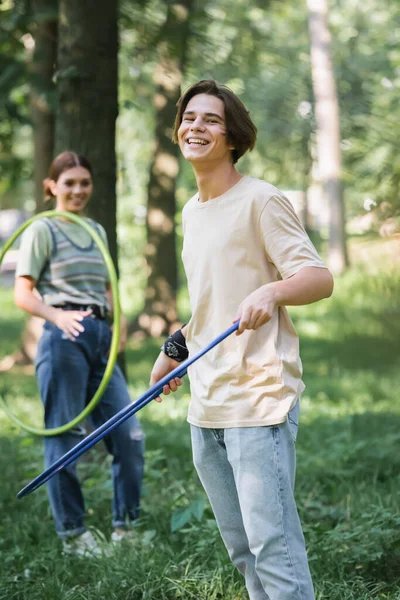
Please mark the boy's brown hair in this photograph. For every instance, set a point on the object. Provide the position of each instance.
(240, 129)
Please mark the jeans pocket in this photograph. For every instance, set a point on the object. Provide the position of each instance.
(293, 420)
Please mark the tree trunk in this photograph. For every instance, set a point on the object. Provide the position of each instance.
(87, 102)
(160, 313)
(87, 108)
(328, 130)
(42, 91)
(87, 98)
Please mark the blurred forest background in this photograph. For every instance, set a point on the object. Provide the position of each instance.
(321, 79)
(64, 79)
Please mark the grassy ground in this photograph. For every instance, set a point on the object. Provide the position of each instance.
(347, 479)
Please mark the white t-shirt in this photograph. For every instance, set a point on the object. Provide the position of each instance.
(234, 244)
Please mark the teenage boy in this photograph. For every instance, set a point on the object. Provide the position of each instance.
(246, 258)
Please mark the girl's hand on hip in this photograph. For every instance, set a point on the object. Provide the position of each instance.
(69, 321)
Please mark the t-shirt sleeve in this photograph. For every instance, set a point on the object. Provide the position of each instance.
(34, 250)
(286, 242)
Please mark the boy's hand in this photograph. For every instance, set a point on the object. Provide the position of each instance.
(257, 309)
(164, 365)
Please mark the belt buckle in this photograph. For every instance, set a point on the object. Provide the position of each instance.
(91, 307)
(98, 311)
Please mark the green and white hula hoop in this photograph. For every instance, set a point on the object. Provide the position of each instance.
(115, 333)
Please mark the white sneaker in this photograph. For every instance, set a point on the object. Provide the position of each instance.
(82, 545)
(120, 533)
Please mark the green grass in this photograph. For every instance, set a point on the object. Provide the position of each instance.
(347, 479)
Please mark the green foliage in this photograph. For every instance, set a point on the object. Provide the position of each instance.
(366, 42)
(181, 516)
(262, 51)
(13, 96)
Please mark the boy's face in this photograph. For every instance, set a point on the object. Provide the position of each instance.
(202, 133)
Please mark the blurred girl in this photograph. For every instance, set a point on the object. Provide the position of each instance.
(61, 277)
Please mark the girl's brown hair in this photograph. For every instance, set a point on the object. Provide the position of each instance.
(240, 129)
(64, 161)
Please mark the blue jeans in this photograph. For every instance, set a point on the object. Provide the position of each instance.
(68, 375)
(248, 474)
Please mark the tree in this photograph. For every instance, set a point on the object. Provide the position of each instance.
(87, 98)
(160, 312)
(370, 110)
(13, 113)
(328, 130)
(87, 101)
(42, 90)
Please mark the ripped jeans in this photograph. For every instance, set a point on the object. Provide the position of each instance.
(68, 375)
(248, 474)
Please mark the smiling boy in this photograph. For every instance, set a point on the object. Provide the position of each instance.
(246, 257)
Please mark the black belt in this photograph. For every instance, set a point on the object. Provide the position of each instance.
(100, 312)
